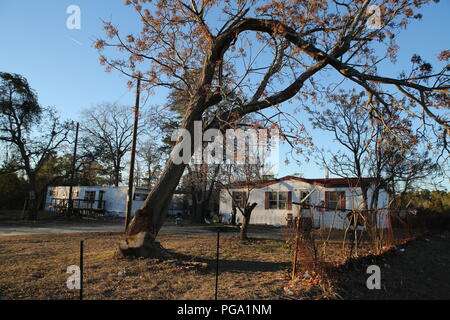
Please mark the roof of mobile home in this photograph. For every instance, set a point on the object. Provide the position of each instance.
(324, 182)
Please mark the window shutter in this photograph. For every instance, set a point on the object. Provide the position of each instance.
(327, 200)
(342, 201)
(289, 203)
(266, 200)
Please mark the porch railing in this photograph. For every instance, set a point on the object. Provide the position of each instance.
(61, 205)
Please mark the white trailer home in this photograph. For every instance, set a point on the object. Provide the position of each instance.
(108, 200)
(333, 199)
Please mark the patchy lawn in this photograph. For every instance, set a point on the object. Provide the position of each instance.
(34, 267)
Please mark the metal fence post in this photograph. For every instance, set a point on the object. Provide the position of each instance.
(81, 270)
(217, 263)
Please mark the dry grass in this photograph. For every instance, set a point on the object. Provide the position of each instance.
(34, 267)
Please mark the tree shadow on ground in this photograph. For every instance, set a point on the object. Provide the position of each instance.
(234, 265)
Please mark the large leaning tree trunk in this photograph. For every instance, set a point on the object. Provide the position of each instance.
(178, 37)
(148, 220)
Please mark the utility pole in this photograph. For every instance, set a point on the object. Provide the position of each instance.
(133, 154)
(72, 173)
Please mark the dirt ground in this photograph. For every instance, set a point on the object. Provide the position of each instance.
(34, 267)
(419, 269)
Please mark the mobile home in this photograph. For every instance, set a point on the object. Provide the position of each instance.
(108, 200)
(329, 201)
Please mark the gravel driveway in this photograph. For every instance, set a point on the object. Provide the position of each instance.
(20, 230)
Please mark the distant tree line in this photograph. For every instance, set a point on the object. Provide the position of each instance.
(425, 200)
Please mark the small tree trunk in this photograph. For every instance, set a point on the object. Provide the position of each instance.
(33, 208)
(198, 212)
(377, 236)
(32, 212)
(116, 176)
(244, 227)
(233, 216)
(246, 221)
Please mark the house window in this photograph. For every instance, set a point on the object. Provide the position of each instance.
(303, 195)
(101, 195)
(239, 199)
(335, 200)
(140, 194)
(282, 200)
(278, 200)
(89, 195)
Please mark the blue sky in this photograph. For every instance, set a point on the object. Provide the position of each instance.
(61, 65)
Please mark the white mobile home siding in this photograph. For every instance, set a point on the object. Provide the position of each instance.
(277, 217)
(114, 197)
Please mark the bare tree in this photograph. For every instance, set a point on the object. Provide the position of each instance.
(403, 170)
(30, 132)
(349, 124)
(201, 182)
(389, 154)
(151, 156)
(245, 178)
(106, 132)
(304, 39)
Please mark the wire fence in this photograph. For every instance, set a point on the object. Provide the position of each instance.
(365, 232)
